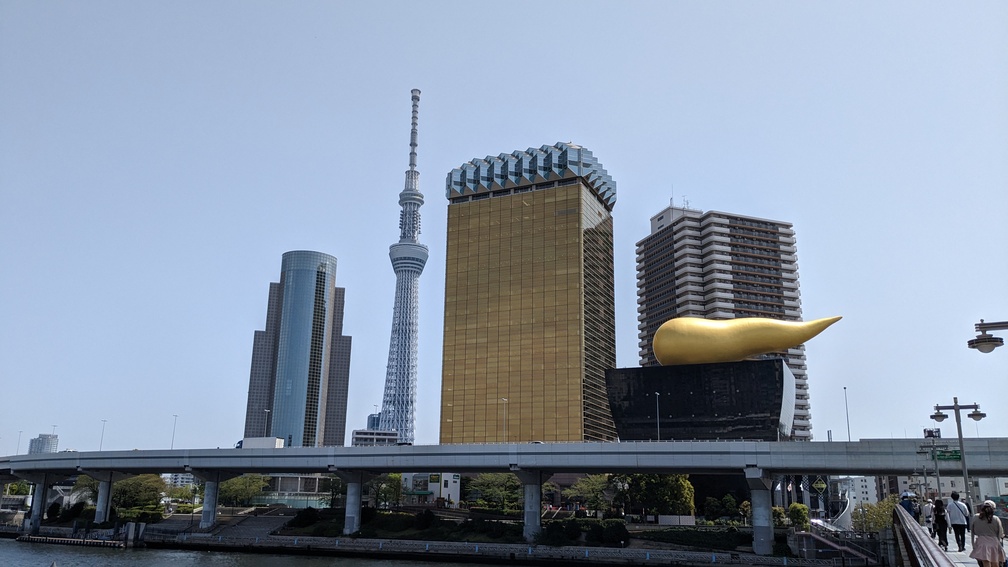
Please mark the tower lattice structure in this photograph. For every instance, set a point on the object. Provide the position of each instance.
(408, 259)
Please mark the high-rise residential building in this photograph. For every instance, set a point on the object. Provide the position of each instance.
(44, 443)
(408, 257)
(300, 371)
(719, 265)
(529, 326)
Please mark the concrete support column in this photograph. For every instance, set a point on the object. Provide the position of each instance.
(355, 488)
(209, 516)
(762, 517)
(532, 517)
(40, 492)
(104, 499)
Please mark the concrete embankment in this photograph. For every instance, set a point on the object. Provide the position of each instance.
(492, 553)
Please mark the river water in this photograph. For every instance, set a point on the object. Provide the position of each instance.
(16, 554)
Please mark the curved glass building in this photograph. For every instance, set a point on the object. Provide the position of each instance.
(300, 363)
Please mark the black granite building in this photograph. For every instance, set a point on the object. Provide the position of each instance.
(751, 400)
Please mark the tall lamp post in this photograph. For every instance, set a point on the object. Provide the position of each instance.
(174, 423)
(975, 415)
(657, 414)
(266, 424)
(505, 400)
(101, 440)
(846, 412)
(984, 341)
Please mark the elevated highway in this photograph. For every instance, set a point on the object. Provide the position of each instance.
(532, 462)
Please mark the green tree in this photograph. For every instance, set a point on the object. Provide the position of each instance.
(333, 488)
(729, 506)
(798, 514)
(87, 486)
(19, 488)
(745, 510)
(779, 516)
(241, 490)
(711, 508)
(498, 489)
(137, 491)
(183, 493)
(549, 488)
(658, 493)
(387, 489)
(590, 490)
(874, 517)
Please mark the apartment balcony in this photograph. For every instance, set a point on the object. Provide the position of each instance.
(688, 269)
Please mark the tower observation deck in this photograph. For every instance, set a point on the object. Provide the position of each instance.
(408, 259)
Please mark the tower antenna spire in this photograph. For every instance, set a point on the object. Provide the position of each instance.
(413, 129)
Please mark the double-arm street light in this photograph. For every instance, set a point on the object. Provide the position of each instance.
(975, 415)
(984, 341)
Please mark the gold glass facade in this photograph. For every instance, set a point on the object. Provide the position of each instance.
(529, 317)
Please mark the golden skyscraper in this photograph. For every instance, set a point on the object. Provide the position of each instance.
(529, 316)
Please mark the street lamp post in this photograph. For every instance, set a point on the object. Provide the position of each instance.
(266, 424)
(174, 423)
(846, 412)
(975, 415)
(18, 450)
(657, 414)
(984, 341)
(505, 400)
(101, 441)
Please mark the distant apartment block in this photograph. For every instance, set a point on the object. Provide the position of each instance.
(44, 443)
(373, 438)
(718, 265)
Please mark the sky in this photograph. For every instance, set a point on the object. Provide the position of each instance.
(158, 158)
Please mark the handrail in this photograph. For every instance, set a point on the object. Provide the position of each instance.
(926, 552)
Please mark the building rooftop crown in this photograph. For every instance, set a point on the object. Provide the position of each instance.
(532, 166)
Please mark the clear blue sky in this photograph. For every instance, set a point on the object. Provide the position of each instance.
(157, 158)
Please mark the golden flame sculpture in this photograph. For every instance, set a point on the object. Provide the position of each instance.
(693, 340)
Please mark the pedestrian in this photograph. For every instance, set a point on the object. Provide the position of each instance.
(941, 523)
(958, 518)
(907, 504)
(929, 517)
(986, 535)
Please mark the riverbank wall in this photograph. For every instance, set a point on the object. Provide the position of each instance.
(465, 552)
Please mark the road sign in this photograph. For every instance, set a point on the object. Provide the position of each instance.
(953, 455)
(819, 485)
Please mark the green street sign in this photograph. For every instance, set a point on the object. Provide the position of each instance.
(819, 485)
(948, 455)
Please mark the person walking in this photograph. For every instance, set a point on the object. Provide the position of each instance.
(986, 535)
(958, 518)
(941, 523)
(928, 511)
(907, 504)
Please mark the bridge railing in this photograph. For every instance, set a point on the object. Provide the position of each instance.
(917, 543)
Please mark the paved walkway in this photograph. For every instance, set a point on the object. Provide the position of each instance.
(961, 557)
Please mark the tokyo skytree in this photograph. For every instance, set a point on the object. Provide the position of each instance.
(408, 259)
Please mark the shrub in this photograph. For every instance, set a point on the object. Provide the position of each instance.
(572, 529)
(614, 532)
(425, 519)
(73, 512)
(53, 512)
(304, 518)
(555, 534)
